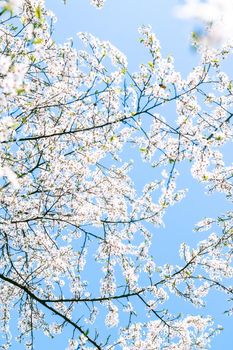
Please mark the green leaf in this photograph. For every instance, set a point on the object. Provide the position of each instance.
(24, 120)
(151, 64)
(38, 12)
(33, 58)
(38, 41)
(124, 70)
(218, 138)
(20, 91)
(87, 332)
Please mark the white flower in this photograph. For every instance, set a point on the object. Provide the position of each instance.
(12, 177)
(13, 5)
(98, 3)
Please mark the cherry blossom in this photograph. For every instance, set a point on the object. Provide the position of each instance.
(76, 230)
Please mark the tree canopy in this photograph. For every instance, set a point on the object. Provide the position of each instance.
(76, 235)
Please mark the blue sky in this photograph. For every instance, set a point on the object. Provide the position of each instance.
(118, 22)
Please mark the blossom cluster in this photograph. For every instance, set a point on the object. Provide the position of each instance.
(69, 204)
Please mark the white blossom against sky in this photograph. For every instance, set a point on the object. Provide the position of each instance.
(116, 173)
